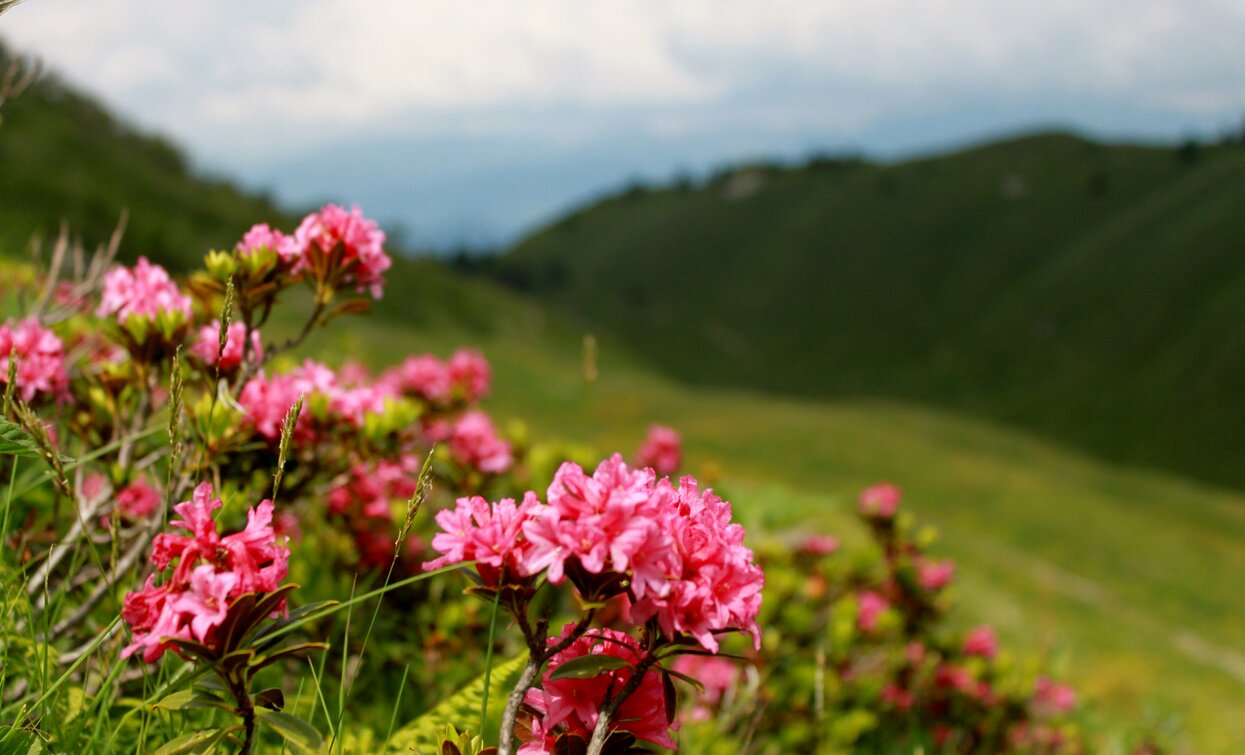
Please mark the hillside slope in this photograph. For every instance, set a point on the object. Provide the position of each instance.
(63, 157)
(1093, 293)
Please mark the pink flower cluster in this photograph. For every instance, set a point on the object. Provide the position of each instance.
(869, 609)
(260, 236)
(934, 575)
(880, 501)
(662, 450)
(462, 379)
(145, 291)
(680, 556)
(572, 705)
(138, 500)
(40, 359)
(211, 571)
(489, 534)
(346, 240)
(716, 675)
(474, 443)
(207, 348)
(365, 501)
(981, 641)
(266, 400)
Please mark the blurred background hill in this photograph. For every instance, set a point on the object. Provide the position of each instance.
(1092, 292)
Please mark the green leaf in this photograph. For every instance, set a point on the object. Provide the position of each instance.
(682, 677)
(588, 666)
(15, 741)
(194, 742)
(295, 731)
(272, 699)
(424, 734)
(192, 698)
(292, 651)
(15, 441)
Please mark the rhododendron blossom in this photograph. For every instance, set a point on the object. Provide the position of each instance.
(869, 609)
(572, 705)
(880, 501)
(469, 375)
(981, 641)
(207, 348)
(464, 378)
(146, 291)
(662, 450)
(1054, 697)
(934, 575)
(474, 443)
(489, 534)
(708, 582)
(138, 499)
(819, 545)
(341, 241)
(211, 571)
(40, 359)
(260, 236)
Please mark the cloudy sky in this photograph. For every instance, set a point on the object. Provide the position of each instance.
(477, 119)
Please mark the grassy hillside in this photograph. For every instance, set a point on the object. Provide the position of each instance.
(1090, 292)
(65, 158)
(1120, 577)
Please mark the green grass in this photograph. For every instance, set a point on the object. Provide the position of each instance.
(1090, 292)
(1125, 579)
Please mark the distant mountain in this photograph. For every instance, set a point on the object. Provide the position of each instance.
(1094, 293)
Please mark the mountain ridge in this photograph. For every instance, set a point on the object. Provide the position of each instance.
(1083, 290)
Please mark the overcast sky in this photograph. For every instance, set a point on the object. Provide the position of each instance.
(473, 120)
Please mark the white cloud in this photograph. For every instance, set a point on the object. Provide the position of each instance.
(283, 74)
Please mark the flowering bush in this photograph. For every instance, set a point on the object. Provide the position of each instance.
(162, 410)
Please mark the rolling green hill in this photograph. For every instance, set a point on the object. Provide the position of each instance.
(1093, 293)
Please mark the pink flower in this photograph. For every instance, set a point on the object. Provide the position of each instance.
(1054, 698)
(981, 641)
(344, 242)
(207, 348)
(934, 575)
(573, 704)
(373, 487)
(897, 697)
(266, 401)
(423, 376)
(145, 292)
(869, 608)
(138, 499)
(211, 571)
(709, 582)
(952, 677)
(716, 676)
(661, 450)
(489, 534)
(474, 442)
(880, 501)
(602, 521)
(469, 375)
(262, 237)
(40, 359)
(819, 545)
(207, 599)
